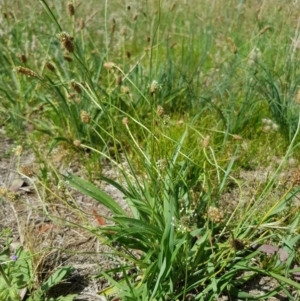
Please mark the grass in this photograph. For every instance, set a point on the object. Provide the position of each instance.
(181, 100)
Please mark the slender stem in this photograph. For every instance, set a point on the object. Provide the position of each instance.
(50, 13)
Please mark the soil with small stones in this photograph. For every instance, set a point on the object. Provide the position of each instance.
(65, 245)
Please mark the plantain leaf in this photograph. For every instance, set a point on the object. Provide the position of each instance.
(91, 190)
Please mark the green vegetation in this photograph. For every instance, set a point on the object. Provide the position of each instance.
(17, 275)
(196, 108)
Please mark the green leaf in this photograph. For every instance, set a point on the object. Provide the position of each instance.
(139, 226)
(56, 277)
(91, 190)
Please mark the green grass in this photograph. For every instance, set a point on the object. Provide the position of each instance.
(181, 99)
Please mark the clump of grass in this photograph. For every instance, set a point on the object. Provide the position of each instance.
(178, 108)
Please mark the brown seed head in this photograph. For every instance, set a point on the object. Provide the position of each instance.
(85, 117)
(26, 170)
(134, 18)
(11, 14)
(68, 45)
(119, 80)
(296, 177)
(76, 87)
(26, 71)
(232, 45)
(22, 58)
(50, 66)
(68, 58)
(81, 24)
(66, 41)
(263, 30)
(70, 9)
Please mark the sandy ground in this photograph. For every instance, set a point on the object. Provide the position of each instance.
(51, 235)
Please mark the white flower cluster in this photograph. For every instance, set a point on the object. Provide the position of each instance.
(269, 125)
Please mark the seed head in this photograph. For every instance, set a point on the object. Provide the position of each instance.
(68, 45)
(26, 170)
(232, 45)
(22, 58)
(161, 164)
(68, 58)
(254, 56)
(125, 120)
(125, 90)
(166, 119)
(76, 87)
(119, 80)
(160, 110)
(10, 196)
(263, 30)
(11, 14)
(66, 41)
(50, 66)
(18, 150)
(109, 65)
(26, 71)
(77, 142)
(215, 215)
(70, 9)
(296, 177)
(275, 127)
(237, 137)
(205, 141)
(81, 24)
(154, 87)
(85, 117)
